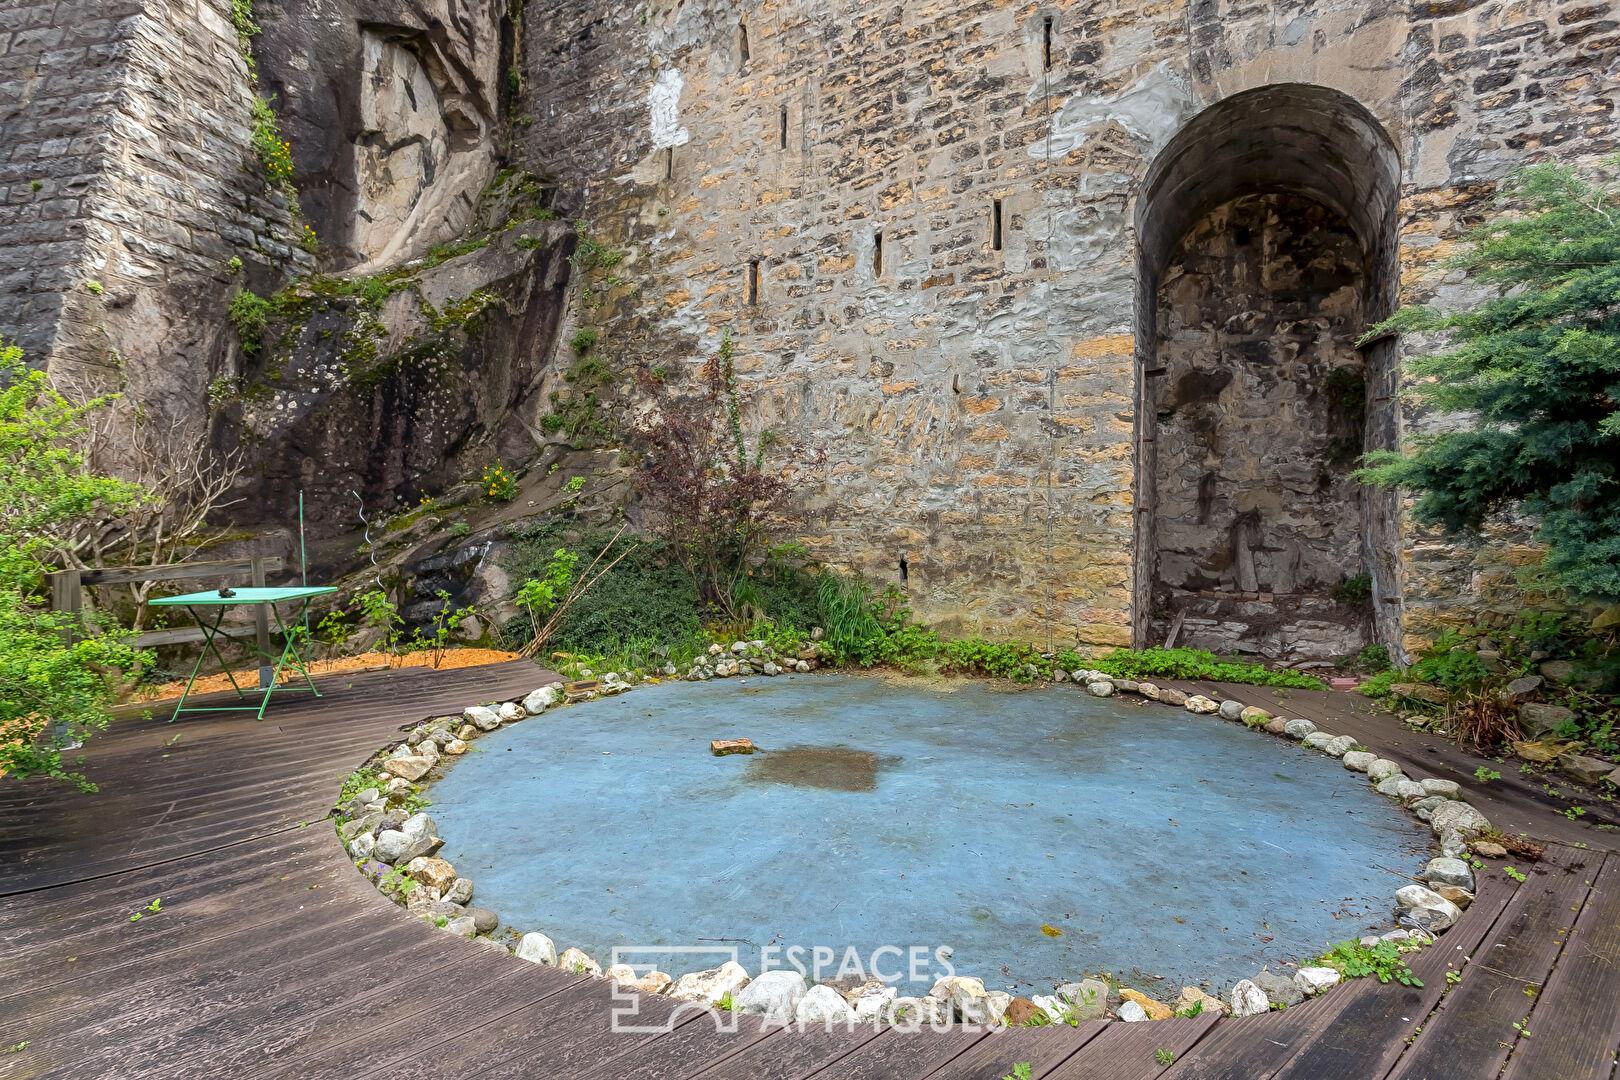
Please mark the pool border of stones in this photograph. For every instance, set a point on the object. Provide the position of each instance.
(396, 849)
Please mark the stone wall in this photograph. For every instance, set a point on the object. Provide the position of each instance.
(133, 120)
(970, 407)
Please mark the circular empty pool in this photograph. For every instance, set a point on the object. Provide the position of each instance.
(1026, 837)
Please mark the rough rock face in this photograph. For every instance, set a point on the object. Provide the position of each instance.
(412, 391)
(392, 109)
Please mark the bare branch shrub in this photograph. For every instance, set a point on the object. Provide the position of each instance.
(184, 479)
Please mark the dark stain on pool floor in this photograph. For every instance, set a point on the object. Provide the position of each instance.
(831, 768)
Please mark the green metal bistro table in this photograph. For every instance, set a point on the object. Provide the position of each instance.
(269, 598)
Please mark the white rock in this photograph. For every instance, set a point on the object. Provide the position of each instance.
(510, 711)
(1449, 871)
(1059, 675)
(536, 949)
(1460, 816)
(1248, 999)
(739, 647)
(1132, 1013)
(462, 927)
(912, 1013)
(1408, 791)
(1449, 789)
(1340, 746)
(775, 994)
(964, 996)
(1319, 740)
(1200, 704)
(822, 1004)
(873, 1003)
(1100, 689)
(1314, 980)
(801, 666)
(461, 892)
(771, 669)
(653, 982)
(1390, 785)
(1298, 729)
(1148, 690)
(362, 847)
(579, 962)
(1431, 910)
(482, 717)
(1358, 760)
(1453, 844)
(1382, 769)
(1231, 709)
(996, 1002)
(710, 986)
(455, 747)
(540, 700)
(418, 835)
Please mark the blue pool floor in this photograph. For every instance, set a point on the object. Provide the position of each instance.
(967, 824)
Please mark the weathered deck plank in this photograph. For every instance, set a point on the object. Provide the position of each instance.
(1575, 1028)
(272, 958)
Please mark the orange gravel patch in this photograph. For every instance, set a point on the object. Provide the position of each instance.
(452, 658)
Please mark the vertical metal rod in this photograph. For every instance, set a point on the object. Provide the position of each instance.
(303, 560)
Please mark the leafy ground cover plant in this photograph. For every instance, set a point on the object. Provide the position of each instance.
(1382, 961)
(1195, 664)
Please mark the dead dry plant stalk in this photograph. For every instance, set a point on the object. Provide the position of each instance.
(538, 642)
(1482, 720)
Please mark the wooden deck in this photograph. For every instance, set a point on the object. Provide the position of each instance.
(273, 958)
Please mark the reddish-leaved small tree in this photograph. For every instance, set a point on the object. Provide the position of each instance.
(712, 499)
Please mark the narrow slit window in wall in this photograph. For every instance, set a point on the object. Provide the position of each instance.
(742, 42)
(753, 282)
(782, 128)
(995, 224)
(1046, 44)
(877, 254)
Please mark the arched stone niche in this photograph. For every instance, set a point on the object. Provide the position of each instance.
(1266, 233)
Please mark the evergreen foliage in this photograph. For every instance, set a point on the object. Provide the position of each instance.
(1537, 370)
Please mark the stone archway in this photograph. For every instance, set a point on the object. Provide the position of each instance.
(1266, 245)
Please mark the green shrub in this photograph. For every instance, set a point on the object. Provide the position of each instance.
(274, 152)
(249, 314)
(1353, 591)
(1197, 664)
(1001, 659)
(48, 491)
(582, 341)
(639, 600)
